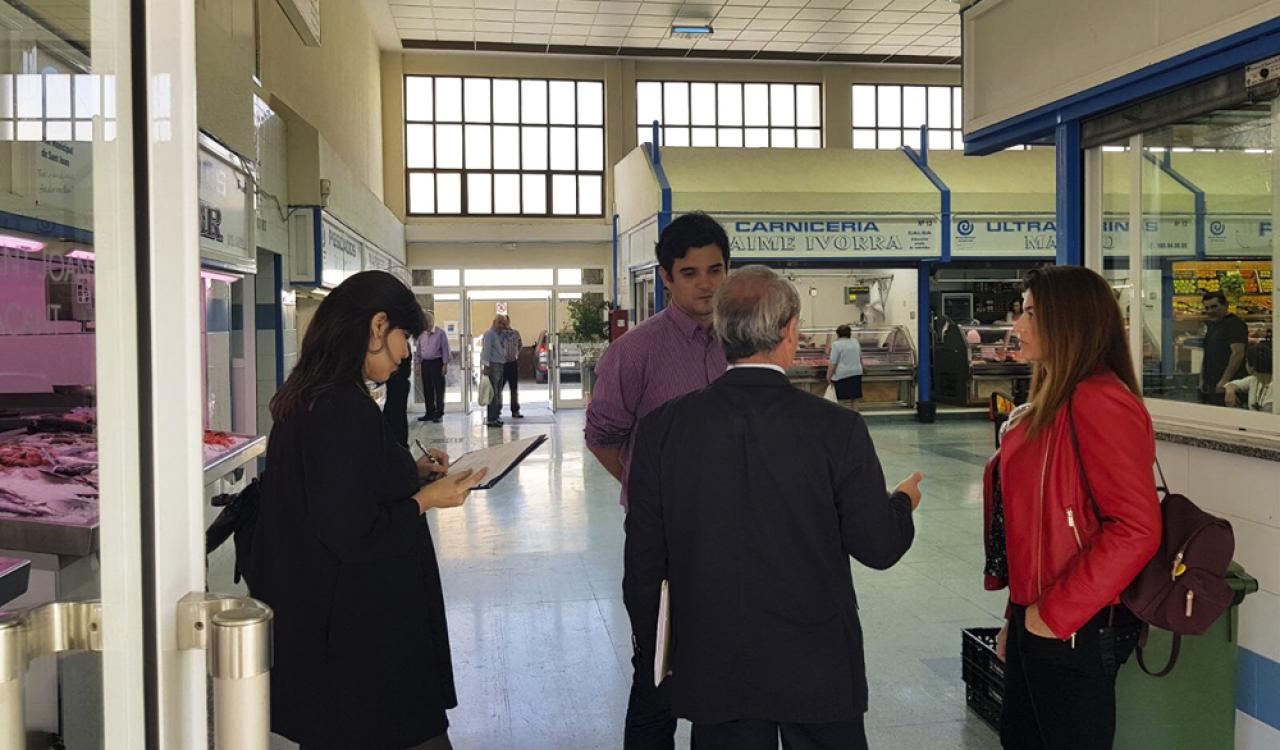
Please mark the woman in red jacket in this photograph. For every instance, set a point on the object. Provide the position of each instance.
(1078, 524)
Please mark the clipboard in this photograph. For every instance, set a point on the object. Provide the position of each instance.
(499, 460)
(662, 645)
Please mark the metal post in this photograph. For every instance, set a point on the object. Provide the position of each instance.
(13, 665)
(236, 634)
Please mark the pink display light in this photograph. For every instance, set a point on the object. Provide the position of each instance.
(216, 276)
(10, 242)
(82, 255)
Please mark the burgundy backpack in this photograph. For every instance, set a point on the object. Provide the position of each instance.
(1183, 588)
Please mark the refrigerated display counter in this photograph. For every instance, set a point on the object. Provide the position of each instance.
(15, 575)
(888, 364)
(973, 361)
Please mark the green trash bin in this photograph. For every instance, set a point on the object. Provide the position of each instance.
(1194, 706)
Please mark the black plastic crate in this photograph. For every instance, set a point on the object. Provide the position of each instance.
(983, 674)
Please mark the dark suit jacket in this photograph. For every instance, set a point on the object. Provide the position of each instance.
(345, 558)
(396, 410)
(750, 496)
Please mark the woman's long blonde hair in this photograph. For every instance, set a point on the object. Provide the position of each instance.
(1080, 329)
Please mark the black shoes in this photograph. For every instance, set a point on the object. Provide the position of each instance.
(498, 423)
(517, 415)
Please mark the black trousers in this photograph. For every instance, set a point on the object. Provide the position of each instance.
(650, 724)
(433, 387)
(1060, 695)
(511, 373)
(439, 742)
(763, 735)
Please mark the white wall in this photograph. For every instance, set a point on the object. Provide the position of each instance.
(1023, 54)
(1244, 491)
(828, 308)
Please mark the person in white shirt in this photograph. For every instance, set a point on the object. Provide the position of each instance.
(845, 369)
(1257, 386)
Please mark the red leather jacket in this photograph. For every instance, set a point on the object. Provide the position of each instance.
(1065, 553)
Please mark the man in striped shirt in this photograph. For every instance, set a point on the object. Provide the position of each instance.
(672, 353)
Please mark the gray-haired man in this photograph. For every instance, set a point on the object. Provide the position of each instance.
(748, 497)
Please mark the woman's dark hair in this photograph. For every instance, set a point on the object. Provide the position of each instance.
(334, 348)
(1080, 329)
(1015, 304)
(690, 231)
(844, 332)
(1258, 357)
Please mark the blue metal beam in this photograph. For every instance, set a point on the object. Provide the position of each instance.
(664, 216)
(1166, 166)
(1070, 194)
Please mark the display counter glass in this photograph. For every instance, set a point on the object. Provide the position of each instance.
(974, 361)
(888, 363)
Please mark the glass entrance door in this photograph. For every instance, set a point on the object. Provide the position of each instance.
(526, 337)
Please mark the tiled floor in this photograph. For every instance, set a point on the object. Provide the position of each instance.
(541, 646)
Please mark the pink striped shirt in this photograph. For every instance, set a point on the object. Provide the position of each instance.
(663, 358)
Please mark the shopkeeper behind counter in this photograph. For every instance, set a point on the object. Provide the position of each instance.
(845, 369)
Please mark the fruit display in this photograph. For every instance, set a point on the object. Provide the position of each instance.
(1247, 285)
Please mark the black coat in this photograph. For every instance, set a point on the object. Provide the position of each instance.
(343, 556)
(396, 409)
(749, 496)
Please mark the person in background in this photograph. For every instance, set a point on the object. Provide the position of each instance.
(433, 356)
(668, 355)
(396, 409)
(844, 372)
(511, 367)
(493, 363)
(749, 497)
(341, 550)
(1225, 339)
(1078, 523)
(1257, 386)
(1015, 311)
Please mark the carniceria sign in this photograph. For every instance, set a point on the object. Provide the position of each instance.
(829, 238)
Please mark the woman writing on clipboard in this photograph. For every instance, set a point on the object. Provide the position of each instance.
(342, 552)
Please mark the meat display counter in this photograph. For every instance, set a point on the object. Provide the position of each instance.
(15, 574)
(973, 361)
(888, 364)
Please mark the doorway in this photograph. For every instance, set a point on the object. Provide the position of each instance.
(531, 323)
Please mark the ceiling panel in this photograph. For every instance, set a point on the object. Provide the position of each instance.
(871, 30)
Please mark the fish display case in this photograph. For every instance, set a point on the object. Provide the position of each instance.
(973, 361)
(888, 364)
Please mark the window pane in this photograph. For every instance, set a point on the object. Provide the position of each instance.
(420, 149)
(506, 194)
(442, 277)
(730, 137)
(648, 103)
(730, 104)
(590, 103)
(911, 138)
(477, 93)
(58, 130)
(957, 107)
(57, 96)
(675, 136)
(888, 106)
(808, 106)
(890, 139)
(940, 106)
(422, 193)
(570, 277)
(506, 147)
(644, 135)
(782, 104)
(864, 139)
(449, 193)
(591, 149)
(755, 99)
(913, 106)
(479, 155)
(703, 97)
(506, 101)
(30, 96)
(563, 102)
(957, 139)
(533, 151)
(564, 150)
(564, 194)
(479, 194)
(449, 99)
(784, 138)
(757, 138)
(449, 146)
(534, 193)
(809, 139)
(89, 96)
(940, 139)
(533, 102)
(675, 100)
(704, 137)
(864, 106)
(590, 194)
(417, 98)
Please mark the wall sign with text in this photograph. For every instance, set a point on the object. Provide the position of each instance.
(783, 238)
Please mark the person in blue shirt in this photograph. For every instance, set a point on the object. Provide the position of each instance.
(493, 360)
(845, 370)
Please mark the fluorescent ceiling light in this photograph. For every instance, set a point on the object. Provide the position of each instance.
(691, 29)
(20, 243)
(82, 255)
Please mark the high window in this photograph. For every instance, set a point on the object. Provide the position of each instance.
(504, 146)
(890, 116)
(730, 115)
